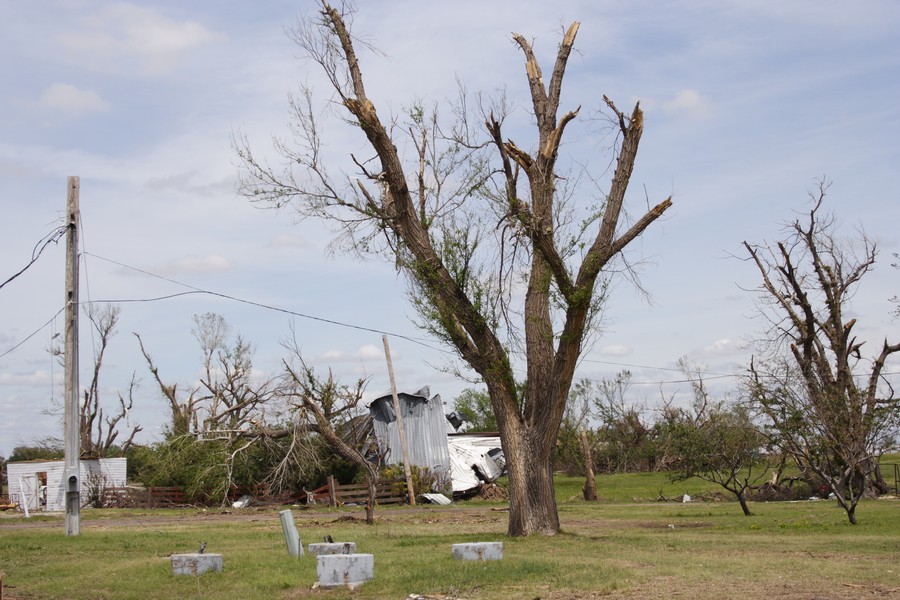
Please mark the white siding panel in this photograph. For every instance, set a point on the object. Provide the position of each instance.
(110, 472)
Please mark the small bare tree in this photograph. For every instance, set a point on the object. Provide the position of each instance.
(827, 404)
(575, 445)
(100, 429)
(624, 431)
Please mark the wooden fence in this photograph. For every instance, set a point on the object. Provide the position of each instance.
(151, 497)
(335, 494)
(162, 496)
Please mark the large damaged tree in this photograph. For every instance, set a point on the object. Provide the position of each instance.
(212, 441)
(825, 400)
(504, 262)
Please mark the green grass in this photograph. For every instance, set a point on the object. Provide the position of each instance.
(617, 546)
(634, 487)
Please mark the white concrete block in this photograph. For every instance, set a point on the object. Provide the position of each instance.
(332, 548)
(196, 564)
(478, 551)
(291, 537)
(352, 570)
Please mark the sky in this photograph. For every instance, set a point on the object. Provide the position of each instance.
(747, 105)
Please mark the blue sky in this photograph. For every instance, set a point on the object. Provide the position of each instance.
(746, 105)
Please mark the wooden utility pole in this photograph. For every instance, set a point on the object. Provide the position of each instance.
(406, 470)
(72, 471)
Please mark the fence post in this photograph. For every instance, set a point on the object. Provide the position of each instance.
(332, 490)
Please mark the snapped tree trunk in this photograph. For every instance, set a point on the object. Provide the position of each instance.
(589, 491)
(371, 479)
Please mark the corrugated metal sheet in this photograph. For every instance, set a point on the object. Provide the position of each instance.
(425, 427)
(109, 472)
(472, 461)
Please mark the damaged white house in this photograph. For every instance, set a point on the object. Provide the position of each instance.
(39, 484)
(465, 459)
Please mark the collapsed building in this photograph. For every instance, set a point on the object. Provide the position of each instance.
(463, 460)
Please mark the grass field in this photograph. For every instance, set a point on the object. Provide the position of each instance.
(617, 548)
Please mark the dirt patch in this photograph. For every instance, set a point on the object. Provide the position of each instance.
(670, 587)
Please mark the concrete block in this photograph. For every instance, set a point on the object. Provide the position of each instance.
(196, 564)
(352, 570)
(332, 548)
(478, 551)
(291, 537)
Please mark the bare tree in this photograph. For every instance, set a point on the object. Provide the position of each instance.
(624, 431)
(235, 398)
(99, 429)
(574, 448)
(827, 403)
(466, 228)
(230, 398)
(183, 408)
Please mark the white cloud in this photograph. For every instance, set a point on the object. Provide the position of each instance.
(122, 34)
(67, 97)
(689, 102)
(722, 346)
(370, 351)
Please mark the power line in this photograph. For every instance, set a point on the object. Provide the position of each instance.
(34, 333)
(52, 237)
(618, 364)
(196, 290)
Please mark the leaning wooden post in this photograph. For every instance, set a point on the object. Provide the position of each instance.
(406, 469)
(332, 491)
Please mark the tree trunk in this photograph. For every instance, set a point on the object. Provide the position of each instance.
(743, 500)
(589, 491)
(879, 485)
(370, 503)
(532, 498)
(841, 493)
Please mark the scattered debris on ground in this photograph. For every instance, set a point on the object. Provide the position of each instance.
(492, 493)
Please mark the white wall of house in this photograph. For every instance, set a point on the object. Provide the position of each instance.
(26, 481)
